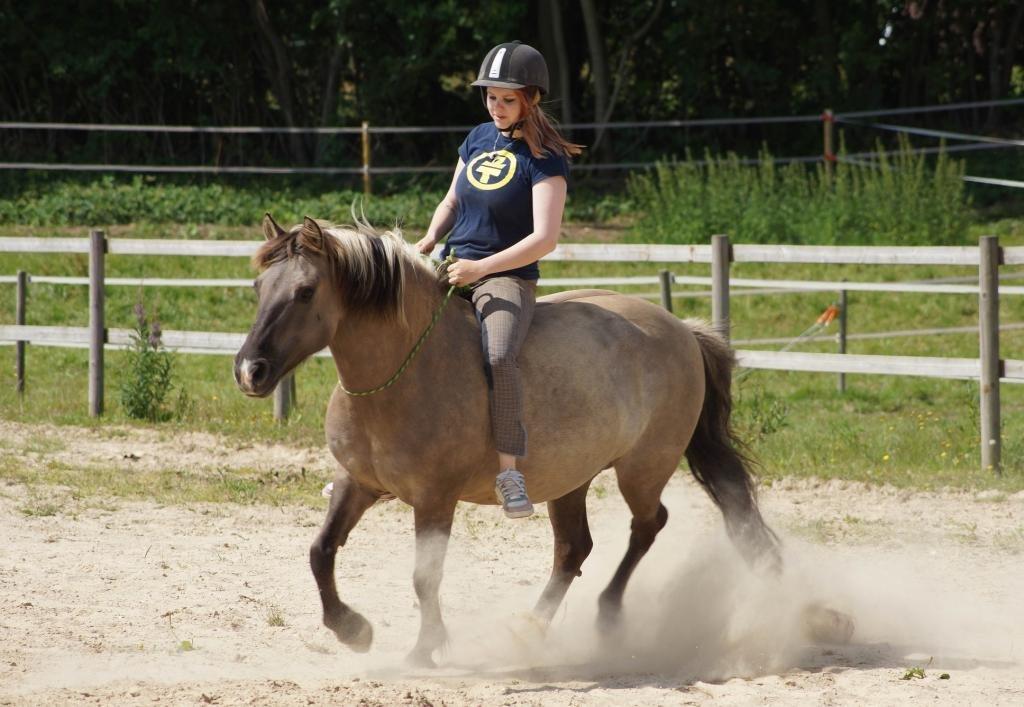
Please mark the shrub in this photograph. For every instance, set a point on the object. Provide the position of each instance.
(758, 414)
(109, 200)
(888, 198)
(149, 375)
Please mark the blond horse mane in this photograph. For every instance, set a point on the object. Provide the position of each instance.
(370, 268)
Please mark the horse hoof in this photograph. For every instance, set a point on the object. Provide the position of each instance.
(608, 622)
(364, 637)
(824, 625)
(609, 613)
(352, 630)
(420, 658)
(527, 629)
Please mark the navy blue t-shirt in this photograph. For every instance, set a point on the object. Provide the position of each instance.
(495, 195)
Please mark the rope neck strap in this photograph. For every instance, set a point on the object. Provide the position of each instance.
(412, 354)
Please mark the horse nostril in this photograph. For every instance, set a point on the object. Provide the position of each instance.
(251, 374)
(258, 371)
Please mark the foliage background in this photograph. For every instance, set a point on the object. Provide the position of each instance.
(409, 62)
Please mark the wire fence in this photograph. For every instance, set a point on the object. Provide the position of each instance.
(857, 119)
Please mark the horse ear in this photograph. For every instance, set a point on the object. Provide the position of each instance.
(270, 228)
(312, 229)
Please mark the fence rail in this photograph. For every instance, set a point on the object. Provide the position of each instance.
(988, 369)
(759, 285)
(591, 252)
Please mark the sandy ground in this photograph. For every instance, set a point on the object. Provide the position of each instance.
(136, 603)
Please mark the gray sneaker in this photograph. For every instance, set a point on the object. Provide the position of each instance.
(510, 488)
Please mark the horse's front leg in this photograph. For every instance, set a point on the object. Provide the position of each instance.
(433, 528)
(349, 501)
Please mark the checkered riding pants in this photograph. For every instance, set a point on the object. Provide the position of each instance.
(504, 306)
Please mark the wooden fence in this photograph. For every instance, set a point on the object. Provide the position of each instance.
(989, 369)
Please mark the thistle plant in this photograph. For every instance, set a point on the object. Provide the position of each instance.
(149, 374)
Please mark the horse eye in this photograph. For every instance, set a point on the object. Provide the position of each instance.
(305, 294)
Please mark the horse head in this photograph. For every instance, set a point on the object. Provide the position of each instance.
(296, 312)
(311, 278)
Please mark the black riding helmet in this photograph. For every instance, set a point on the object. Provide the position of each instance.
(512, 65)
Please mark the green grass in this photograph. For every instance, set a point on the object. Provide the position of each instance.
(913, 673)
(169, 486)
(274, 616)
(910, 432)
(39, 508)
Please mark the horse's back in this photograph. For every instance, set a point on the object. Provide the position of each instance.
(611, 319)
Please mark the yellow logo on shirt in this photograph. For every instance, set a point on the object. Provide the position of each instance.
(491, 170)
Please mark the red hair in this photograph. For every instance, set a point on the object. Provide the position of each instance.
(538, 130)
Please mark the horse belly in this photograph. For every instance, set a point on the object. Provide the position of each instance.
(592, 400)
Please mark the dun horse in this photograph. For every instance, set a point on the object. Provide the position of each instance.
(611, 381)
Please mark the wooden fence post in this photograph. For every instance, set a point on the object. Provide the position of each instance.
(97, 323)
(366, 158)
(284, 397)
(841, 338)
(988, 325)
(721, 254)
(19, 347)
(666, 289)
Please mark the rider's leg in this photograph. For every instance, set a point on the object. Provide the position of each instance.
(505, 308)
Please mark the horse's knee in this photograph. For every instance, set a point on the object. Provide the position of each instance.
(585, 547)
(652, 524)
(645, 530)
(580, 552)
(321, 556)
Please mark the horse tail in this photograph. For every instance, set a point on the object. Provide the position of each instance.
(715, 456)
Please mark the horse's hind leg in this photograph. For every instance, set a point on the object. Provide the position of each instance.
(433, 528)
(572, 546)
(349, 501)
(642, 493)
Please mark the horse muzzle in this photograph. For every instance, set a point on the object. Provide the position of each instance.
(253, 376)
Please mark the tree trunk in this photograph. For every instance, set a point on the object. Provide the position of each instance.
(552, 41)
(1003, 56)
(995, 36)
(279, 72)
(598, 66)
(329, 99)
(624, 57)
(827, 42)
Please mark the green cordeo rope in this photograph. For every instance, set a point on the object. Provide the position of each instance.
(415, 349)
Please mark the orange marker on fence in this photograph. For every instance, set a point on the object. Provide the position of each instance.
(829, 315)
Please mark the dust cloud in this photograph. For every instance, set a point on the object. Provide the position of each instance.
(706, 616)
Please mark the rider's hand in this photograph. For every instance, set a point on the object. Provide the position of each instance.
(426, 245)
(465, 272)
